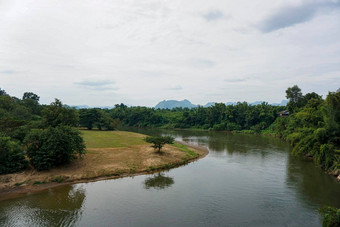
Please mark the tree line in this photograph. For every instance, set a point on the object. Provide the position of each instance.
(312, 126)
(241, 116)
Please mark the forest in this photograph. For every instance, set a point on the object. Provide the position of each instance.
(29, 129)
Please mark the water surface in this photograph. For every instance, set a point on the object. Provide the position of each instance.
(246, 180)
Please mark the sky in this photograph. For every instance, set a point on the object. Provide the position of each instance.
(140, 52)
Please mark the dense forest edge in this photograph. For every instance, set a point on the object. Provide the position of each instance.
(45, 136)
(309, 123)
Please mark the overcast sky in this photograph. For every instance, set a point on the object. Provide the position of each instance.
(139, 52)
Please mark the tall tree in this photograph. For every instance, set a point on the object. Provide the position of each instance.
(31, 101)
(295, 97)
(58, 114)
(30, 95)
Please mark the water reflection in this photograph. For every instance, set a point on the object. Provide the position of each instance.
(311, 184)
(159, 182)
(246, 180)
(59, 207)
(219, 141)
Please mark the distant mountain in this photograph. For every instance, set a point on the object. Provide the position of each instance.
(255, 103)
(88, 107)
(170, 104)
(282, 103)
(209, 104)
(81, 107)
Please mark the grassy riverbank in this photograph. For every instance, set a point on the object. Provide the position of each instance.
(109, 154)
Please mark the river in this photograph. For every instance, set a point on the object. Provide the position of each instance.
(245, 180)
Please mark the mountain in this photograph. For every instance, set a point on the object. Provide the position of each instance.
(88, 107)
(209, 104)
(282, 103)
(170, 104)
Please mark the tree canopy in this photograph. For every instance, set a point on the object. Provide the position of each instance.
(159, 141)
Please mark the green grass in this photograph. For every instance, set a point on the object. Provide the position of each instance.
(185, 149)
(58, 179)
(39, 182)
(111, 139)
(19, 184)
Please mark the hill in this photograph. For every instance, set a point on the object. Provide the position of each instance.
(170, 104)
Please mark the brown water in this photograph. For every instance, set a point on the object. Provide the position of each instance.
(246, 180)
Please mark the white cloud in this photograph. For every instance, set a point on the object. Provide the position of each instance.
(157, 49)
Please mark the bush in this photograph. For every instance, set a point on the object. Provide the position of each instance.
(233, 127)
(12, 156)
(53, 146)
(331, 217)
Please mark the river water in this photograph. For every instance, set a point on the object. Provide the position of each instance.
(246, 180)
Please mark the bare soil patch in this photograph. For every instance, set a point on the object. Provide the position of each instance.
(98, 164)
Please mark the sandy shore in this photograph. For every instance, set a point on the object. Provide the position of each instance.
(100, 164)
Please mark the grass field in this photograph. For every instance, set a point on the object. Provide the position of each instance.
(111, 139)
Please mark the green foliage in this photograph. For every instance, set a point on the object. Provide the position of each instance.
(314, 129)
(88, 117)
(159, 141)
(12, 156)
(295, 97)
(31, 101)
(218, 117)
(53, 146)
(58, 114)
(30, 95)
(2, 92)
(331, 216)
(58, 179)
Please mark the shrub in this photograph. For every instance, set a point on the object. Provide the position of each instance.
(53, 146)
(12, 156)
(331, 216)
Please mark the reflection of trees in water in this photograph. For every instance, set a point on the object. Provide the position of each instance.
(57, 207)
(222, 141)
(311, 183)
(158, 181)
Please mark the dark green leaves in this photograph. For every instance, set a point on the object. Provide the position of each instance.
(159, 141)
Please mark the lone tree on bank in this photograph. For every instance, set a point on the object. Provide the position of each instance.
(159, 141)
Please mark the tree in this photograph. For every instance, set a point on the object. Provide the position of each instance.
(31, 101)
(53, 146)
(312, 95)
(58, 114)
(30, 95)
(88, 117)
(159, 141)
(295, 97)
(2, 92)
(12, 156)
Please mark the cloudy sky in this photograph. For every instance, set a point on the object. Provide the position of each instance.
(139, 52)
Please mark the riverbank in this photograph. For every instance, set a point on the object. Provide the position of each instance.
(110, 154)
